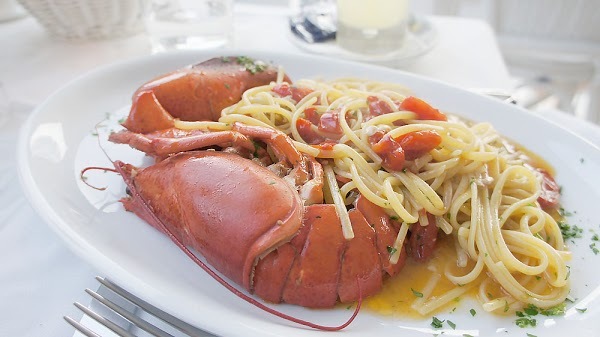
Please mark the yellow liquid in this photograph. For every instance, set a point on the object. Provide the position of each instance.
(397, 295)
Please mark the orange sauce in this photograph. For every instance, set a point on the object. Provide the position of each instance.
(399, 292)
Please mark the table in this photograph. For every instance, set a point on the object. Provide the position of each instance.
(39, 276)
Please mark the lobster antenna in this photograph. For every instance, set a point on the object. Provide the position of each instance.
(160, 225)
(82, 173)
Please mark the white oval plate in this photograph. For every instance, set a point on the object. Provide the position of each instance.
(58, 141)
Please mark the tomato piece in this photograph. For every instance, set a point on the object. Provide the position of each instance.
(312, 115)
(330, 122)
(378, 107)
(422, 241)
(418, 143)
(391, 153)
(423, 110)
(326, 145)
(297, 93)
(305, 130)
(282, 90)
(550, 193)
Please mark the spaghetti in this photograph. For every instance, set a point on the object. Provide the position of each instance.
(481, 191)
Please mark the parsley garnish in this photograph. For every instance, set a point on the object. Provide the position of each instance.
(416, 293)
(251, 65)
(525, 317)
(581, 310)
(392, 250)
(436, 323)
(451, 324)
(564, 212)
(524, 322)
(558, 310)
(531, 310)
(531, 335)
(594, 249)
(568, 231)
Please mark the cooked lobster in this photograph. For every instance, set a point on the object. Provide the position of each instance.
(260, 222)
(290, 248)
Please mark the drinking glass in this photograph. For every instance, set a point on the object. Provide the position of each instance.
(371, 27)
(190, 24)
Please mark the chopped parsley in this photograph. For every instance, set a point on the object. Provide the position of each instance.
(568, 231)
(531, 310)
(582, 310)
(525, 318)
(558, 310)
(451, 324)
(416, 293)
(594, 248)
(394, 217)
(526, 322)
(227, 86)
(392, 250)
(531, 335)
(436, 323)
(252, 66)
(593, 244)
(564, 212)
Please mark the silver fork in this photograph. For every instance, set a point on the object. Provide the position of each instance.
(127, 315)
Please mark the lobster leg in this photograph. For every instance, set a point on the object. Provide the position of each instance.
(282, 144)
(155, 144)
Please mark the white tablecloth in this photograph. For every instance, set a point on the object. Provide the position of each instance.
(39, 277)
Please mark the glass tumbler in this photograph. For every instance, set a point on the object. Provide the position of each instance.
(190, 24)
(373, 27)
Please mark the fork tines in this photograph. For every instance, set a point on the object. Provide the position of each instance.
(116, 317)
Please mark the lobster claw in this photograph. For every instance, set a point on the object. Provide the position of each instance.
(196, 93)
